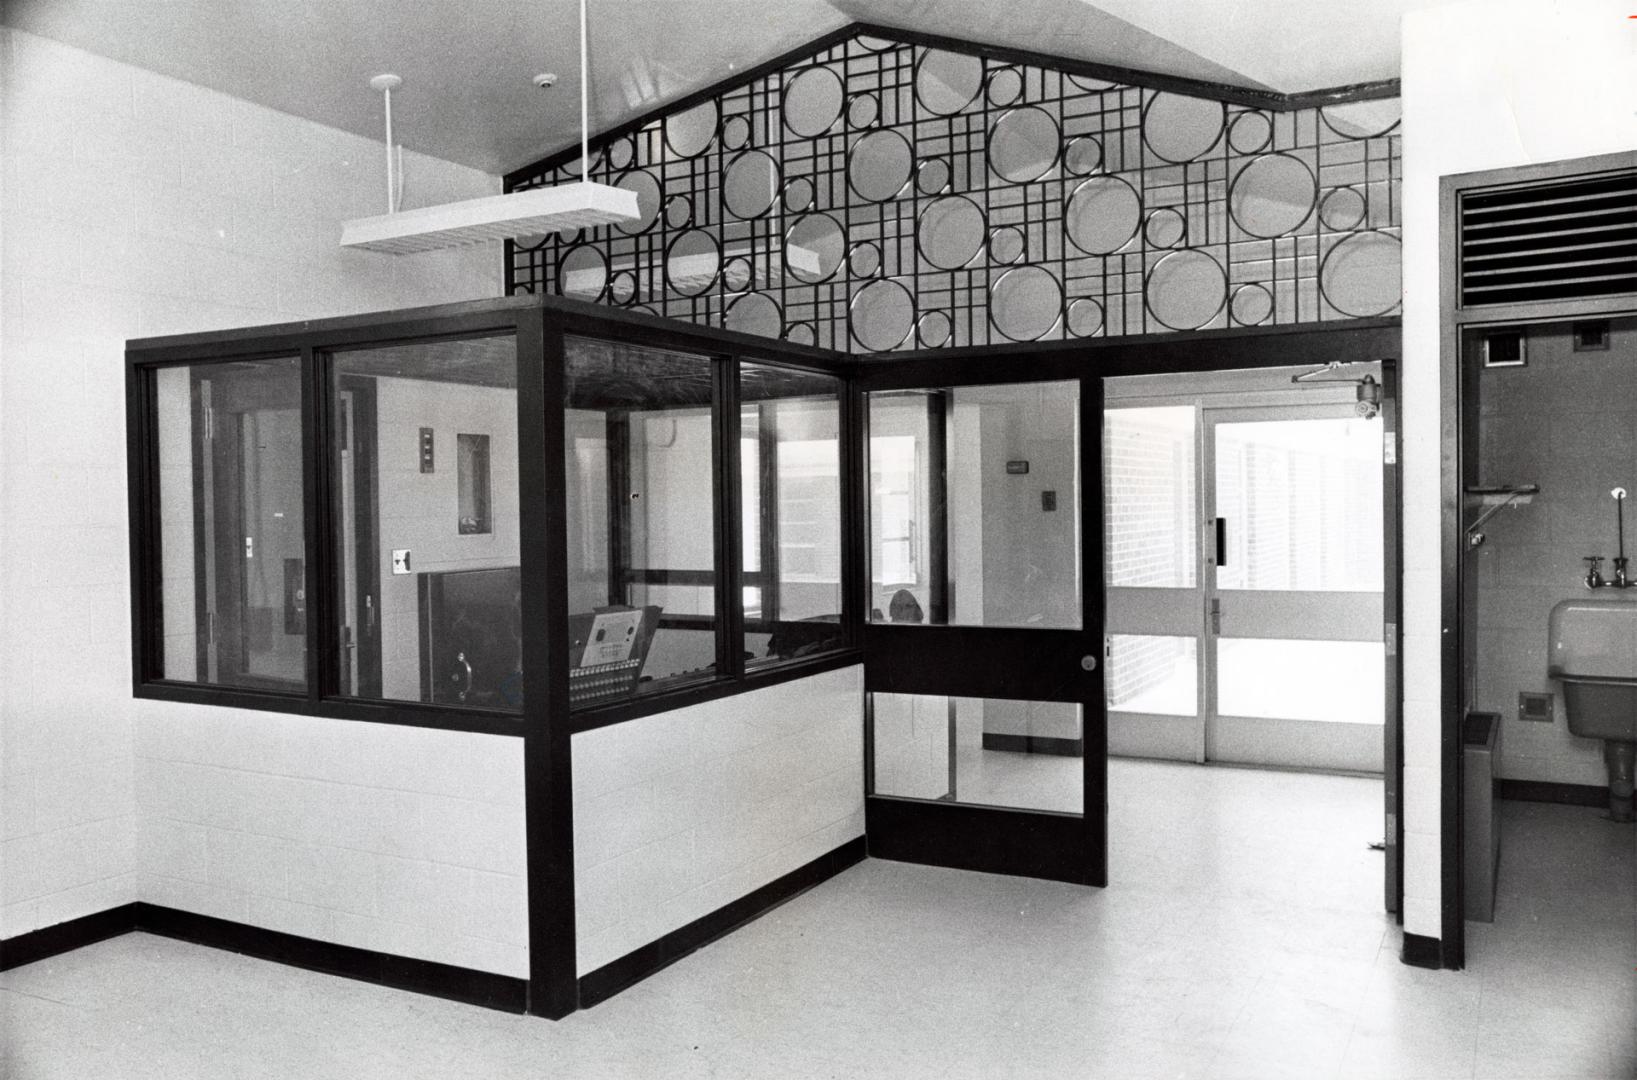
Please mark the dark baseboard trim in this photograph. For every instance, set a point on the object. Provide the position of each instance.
(1549, 792)
(616, 975)
(1033, 744)
(49, 941)
(1422, 952)
(399, 972)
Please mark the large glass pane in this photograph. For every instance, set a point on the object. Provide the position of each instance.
(233, 554)
(1301, 680)
(641, 519)
(426, 498)
(981, 751)
(790, 458)
(974, 506)
(1302, 503)
(1151, 497)
(1153, 674)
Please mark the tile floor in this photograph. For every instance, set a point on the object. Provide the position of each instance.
(1241, 940)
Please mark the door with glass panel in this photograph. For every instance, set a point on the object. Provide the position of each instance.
(1244, 585)
(982, 662)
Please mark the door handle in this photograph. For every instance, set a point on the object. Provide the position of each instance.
(1222, 541)
(1216, 616)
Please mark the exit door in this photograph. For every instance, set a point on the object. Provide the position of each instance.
(1245, 596)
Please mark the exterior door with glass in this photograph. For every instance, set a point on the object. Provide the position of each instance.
(982, 661)
(1244, 585)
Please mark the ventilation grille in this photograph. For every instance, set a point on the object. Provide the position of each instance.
(1572, 239)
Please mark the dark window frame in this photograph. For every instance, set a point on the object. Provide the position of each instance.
(539, 326)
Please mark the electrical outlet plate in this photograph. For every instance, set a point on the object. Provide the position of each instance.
(400, 561)
(1535, 707)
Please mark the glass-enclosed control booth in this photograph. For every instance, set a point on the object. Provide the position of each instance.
(449, 516)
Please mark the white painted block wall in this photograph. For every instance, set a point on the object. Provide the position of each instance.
(679, 814)
(1486, 85)
(133, 205)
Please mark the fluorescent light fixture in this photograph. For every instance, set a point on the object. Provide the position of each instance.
(496, 217)
(563, 208)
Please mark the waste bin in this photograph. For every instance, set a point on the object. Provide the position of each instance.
(1481, 836)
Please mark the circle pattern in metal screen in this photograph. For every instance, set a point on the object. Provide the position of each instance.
(878, 194)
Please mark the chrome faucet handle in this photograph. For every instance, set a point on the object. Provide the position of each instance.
(1594, 572)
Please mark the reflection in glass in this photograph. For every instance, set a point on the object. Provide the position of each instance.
(790, 462)
(1149, 497)
(978, 751)
(1302, 499)
(641, 513)
(429, 591)
(1338, 681)
(1153, 674)
(974, 506)
(232, 549)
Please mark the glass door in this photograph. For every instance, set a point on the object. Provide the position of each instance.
(1294, 656)
(1244, 583)
(982, 662)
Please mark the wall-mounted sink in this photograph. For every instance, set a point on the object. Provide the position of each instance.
(1593, 653)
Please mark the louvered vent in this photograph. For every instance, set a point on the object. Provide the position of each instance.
(1571, 239)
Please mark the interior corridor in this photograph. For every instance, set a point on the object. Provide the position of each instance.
(1242, 937)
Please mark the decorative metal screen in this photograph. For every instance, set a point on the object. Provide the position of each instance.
(883, 195)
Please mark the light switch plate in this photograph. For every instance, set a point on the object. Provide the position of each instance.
(400, 561)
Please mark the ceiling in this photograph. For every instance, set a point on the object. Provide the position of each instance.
(467, 64)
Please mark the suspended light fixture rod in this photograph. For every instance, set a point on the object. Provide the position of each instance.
(585, 109)
(386, 84)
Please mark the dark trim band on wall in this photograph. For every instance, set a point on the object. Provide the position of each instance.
(49, 941)
(600, 985)
(1033, 744)
(1545, 791)
(383, 969)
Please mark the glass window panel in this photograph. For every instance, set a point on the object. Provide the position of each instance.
(974, 506)
(641, 519)
(1301, 680)
(790, 427)
(980, 751)
(426, 498)
(232, 545)
(1302, 499)
(1153, 674)
(1151, 497)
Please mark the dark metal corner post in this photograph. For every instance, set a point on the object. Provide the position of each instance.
(142, 503)
(548, 794)
(1392, 500)
(1094, 608)
(729, 600)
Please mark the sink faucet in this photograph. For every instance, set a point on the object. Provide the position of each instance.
(1594, 571)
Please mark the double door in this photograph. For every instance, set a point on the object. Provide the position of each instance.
(1245, 569)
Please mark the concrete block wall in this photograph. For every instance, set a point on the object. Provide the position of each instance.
(135, 204)
(678, 814)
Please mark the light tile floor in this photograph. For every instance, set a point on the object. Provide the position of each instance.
(1241, 939)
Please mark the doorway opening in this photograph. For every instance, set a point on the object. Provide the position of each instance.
(1249, 542)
